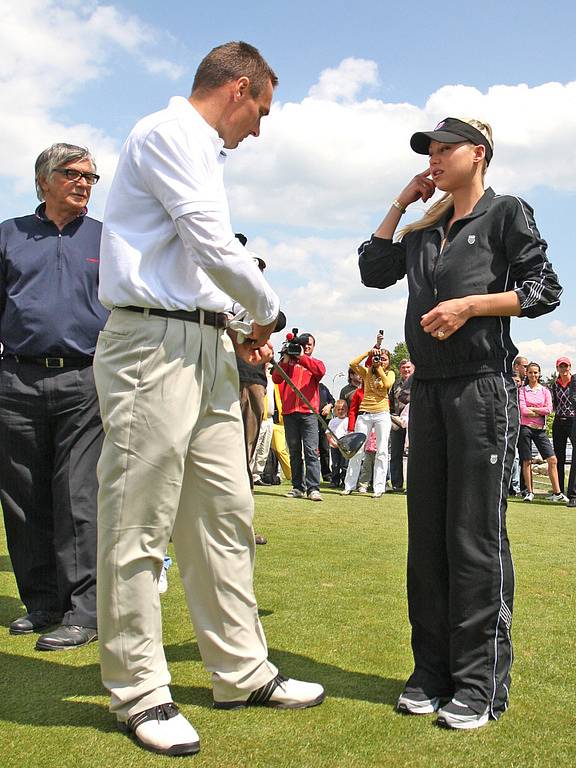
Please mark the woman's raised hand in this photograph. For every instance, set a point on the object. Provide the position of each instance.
(420, 188)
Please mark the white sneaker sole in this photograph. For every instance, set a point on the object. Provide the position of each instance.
(463, 722)
(408, 706)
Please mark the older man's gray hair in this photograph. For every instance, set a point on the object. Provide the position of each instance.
(55, 157)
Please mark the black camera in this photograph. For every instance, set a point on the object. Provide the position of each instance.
(377, 357)
(294, 344)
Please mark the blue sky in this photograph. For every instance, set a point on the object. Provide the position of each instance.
(355, 81)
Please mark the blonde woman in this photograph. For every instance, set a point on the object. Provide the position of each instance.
(374, 413)
(472, 261)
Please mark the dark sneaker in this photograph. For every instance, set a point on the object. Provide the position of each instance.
(417, 703)
(459, 716)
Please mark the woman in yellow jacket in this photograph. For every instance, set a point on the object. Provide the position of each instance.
(374, 414)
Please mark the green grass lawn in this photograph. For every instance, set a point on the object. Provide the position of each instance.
(330, 586)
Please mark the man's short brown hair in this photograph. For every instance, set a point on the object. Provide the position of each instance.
(229, 62)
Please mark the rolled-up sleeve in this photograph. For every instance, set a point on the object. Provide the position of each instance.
(536, 282)
(228, 264)
(382, 262)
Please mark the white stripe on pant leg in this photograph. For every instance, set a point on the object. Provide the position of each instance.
(504, 609)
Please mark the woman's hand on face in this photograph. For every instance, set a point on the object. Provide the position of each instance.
(446, 318)
(420, 188)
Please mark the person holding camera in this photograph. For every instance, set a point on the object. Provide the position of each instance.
(374, 413)
(300, 424)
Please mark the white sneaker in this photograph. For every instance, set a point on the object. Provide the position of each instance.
(528, 497)
(461, 717)
(345, 492)
(378, 495)
(163, 581)
(362, 489)
(280, 693)
(164, 730)
(559, 497)
(295, 493)
(317, 496)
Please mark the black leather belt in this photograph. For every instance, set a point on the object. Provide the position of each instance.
(52, 362)
(216, 319)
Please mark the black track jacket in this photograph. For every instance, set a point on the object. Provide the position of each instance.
(495, 248)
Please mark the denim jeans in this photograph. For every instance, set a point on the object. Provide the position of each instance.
(302, 436)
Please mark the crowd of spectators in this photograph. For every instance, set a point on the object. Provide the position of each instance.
(547, 412)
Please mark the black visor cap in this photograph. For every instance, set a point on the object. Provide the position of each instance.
(450, 131)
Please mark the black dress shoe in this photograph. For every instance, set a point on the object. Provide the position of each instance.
(65, 637)
(33, 622)
(571, 503)
(260, 482)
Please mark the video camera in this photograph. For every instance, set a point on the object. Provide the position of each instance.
(294, 344)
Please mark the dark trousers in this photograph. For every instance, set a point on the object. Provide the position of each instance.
(463, 435)
(562, 428)
(302, 437)
(324, 452)
(252, 409)
(571, 489)
(397, 442)
(50, 441)
(339, 467)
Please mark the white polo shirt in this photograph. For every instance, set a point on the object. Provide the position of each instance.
(167, 241)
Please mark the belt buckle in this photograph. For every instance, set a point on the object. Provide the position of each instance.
(54, 362)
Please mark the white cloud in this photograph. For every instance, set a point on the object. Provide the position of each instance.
(344, 82)
(546, 353)
(336, 160)
(319, 285)
(50, 50)
(562, 330)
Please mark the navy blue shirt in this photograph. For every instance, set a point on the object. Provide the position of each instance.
(49, 286)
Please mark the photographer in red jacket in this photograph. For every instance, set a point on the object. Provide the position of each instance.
(300, 424)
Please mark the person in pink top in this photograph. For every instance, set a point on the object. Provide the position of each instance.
(535, 404)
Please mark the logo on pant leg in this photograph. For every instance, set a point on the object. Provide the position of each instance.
(493, 458)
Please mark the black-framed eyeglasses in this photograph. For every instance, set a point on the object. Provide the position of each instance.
(73, 174)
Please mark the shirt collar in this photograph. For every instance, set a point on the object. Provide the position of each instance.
(481, 206)
(40, 213)
(190, 114)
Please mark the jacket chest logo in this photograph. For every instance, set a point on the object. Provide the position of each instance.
(471, 239)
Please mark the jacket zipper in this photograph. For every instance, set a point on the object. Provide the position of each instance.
(59, 251)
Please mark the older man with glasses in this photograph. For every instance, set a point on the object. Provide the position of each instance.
(50, 427)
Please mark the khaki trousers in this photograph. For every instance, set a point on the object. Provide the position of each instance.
(173, 464)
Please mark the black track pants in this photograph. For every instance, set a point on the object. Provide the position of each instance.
(463, 435)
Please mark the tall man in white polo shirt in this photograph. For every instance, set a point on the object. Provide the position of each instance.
(173, 458)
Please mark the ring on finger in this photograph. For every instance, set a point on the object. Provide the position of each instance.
(440, 334)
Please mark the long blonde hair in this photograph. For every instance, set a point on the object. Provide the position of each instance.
(437, 211)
